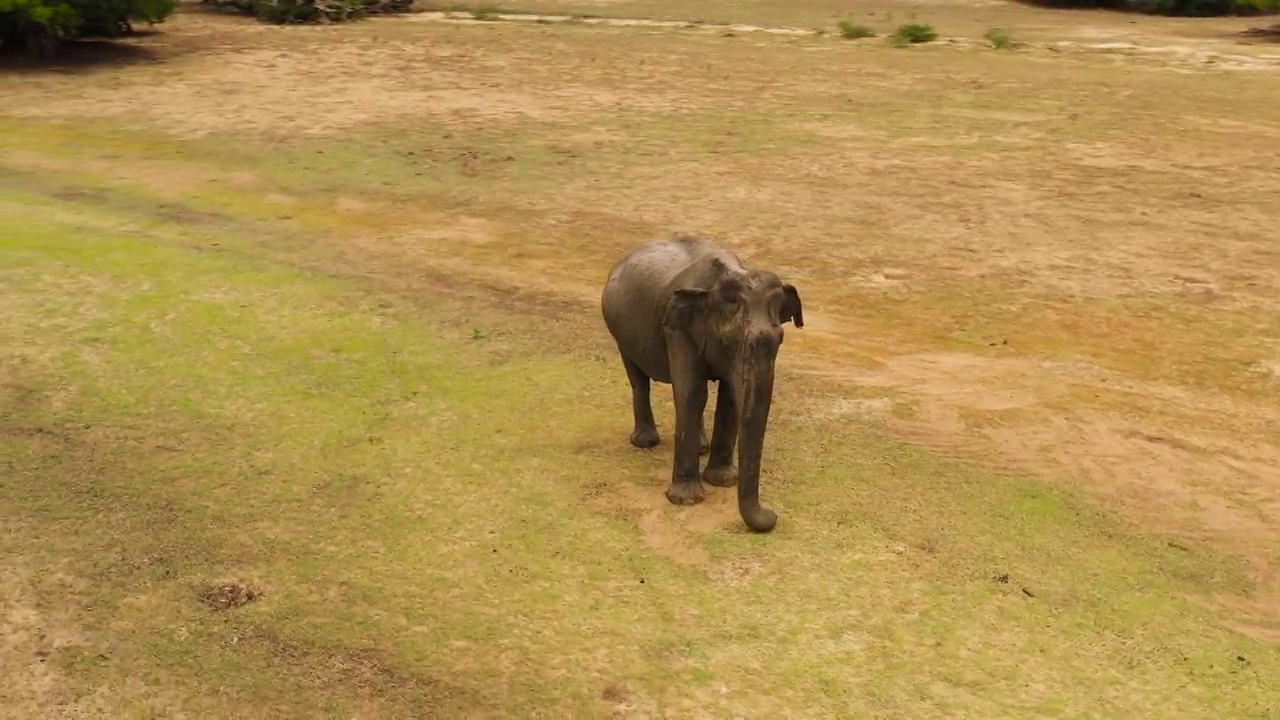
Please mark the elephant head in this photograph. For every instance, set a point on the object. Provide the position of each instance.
(737, 325)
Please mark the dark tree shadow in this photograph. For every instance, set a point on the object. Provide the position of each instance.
(1262, 34)
(1128, 7)
(83, 55)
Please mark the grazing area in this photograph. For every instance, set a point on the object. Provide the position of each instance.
(309, 407)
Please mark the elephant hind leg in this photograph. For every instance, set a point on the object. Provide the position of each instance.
(645, 434)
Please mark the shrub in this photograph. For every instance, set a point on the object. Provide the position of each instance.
(913, 33)
(311, 11)
(853, 31)
(999, 39)
(486, 12)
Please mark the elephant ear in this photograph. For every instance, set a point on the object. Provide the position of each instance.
(792, 308)
(681, 307)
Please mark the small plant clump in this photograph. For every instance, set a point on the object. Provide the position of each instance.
(999, 38)
(486, 12)
(914, 33)
(853, 31)
(228, 597)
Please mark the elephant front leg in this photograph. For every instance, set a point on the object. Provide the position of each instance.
(721, 471)
(645, 434)
(691, 401)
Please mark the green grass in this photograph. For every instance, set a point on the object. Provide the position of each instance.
(453, 520)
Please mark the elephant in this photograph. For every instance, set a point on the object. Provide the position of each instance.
(685, 312)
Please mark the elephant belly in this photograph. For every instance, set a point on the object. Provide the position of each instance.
(653, 362)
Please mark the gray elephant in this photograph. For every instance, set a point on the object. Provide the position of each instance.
(685, 312)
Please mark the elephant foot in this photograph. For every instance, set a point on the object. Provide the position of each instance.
(645, 437)
(689, 492)
(721, 476)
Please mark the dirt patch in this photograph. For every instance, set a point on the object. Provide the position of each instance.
(1184, 55)
(30, 638)
(402, 80)
(1029, 411)
(670, 531)
(468, 18)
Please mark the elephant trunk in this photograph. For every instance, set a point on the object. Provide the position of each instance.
(755, 394)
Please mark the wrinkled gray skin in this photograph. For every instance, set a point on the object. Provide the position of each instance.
(685, 312)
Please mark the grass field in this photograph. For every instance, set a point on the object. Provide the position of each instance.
(312, 312)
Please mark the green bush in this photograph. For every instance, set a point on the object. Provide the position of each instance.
(853, 31)
(23, 22)
(913, 33)
(999, 38)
